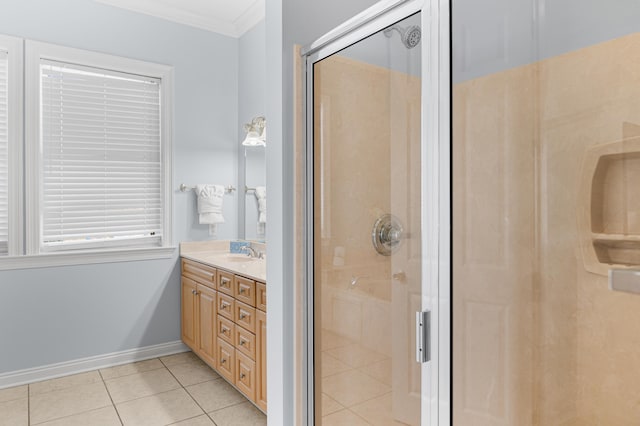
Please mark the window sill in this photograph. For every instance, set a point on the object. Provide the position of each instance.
(85, 257)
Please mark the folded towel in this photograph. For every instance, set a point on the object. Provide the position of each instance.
(210, 199)
(261, 195)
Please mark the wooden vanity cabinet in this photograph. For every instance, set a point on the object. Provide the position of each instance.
(199, 309)
(224, 322)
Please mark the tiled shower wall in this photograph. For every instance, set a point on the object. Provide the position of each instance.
(538, 339)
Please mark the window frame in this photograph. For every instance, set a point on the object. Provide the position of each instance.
(34, 52)
(15, 103)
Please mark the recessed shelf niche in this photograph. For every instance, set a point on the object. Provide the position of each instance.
(609, 215)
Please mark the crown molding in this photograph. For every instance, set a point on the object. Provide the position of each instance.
(254, 14)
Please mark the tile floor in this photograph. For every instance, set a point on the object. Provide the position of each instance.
(174, 390)
(356, 384)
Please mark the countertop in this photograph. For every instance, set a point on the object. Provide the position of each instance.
(216, 254)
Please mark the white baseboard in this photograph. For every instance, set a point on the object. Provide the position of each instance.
(51, 371)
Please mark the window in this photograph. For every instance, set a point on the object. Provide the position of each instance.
(101, 158)
(10, 145)
(98, 151)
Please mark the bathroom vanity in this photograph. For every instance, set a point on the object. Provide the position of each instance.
(224, 314)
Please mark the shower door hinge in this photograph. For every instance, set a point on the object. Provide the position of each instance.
(423, 336)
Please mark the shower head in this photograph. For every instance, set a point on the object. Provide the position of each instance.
(410, 36)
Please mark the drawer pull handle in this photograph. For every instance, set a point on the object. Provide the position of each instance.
(222, 361)
(224, 331)
(243, 316)
(242, 290)
(242, 343)
(242, 375)
(225, 306)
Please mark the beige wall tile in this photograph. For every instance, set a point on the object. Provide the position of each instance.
(353, 387)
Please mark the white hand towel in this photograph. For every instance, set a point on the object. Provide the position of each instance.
(210, 199)
(261, 195)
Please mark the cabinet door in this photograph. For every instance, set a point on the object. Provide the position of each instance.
(189, 324)
(261, 360)
(226, 360)
(206, 324)
(245, 378)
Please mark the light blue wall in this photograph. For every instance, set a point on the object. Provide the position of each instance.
(59, 314)
(252, 81)
(495, 35)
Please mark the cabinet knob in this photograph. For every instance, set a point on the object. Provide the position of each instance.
(243, 316)
(222, 361)
(242, 290)
(242, 342)
(242, 375)
(193, 292)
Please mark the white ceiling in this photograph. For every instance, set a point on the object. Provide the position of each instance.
(229, 17)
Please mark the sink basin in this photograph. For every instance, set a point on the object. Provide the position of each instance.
(232, 257)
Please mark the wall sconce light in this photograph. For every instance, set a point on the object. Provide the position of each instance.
(256, 132)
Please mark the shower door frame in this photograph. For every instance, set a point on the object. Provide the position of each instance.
(435, 197)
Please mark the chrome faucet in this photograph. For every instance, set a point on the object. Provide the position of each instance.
(251, 252)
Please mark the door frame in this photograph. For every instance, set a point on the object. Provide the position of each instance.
(436, 193)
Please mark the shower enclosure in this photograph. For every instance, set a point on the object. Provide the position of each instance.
(546, 205)
(372, 217)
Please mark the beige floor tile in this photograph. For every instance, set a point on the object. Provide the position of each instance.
(356, 356)
(330, 405)
(139, 385)
(15, 412)
(132, 368)
(203, 420)
(343, 418)
(239, 415)
(64, 382)
(331, 340)
(353, 387)
(380, 371)
(16, 392)
(67, 402)
(215, 395)
(191, 373)
(331, 365)
(377, 411)
(179, 358)
(106, 416)
(161, 409)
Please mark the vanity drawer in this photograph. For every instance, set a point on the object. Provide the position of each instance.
(246, 342)
(226, 330)
(261, 296)
(245, 316)
(226, 360)
(200, 273)
(225, 282)
(245, 378)
(226, 305)
(244, 290)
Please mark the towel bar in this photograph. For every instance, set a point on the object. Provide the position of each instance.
(227, 189)
(247, 189)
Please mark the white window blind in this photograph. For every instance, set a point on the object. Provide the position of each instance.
(101, 158)
(4, 152)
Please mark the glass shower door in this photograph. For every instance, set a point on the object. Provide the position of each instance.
(367, 230)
